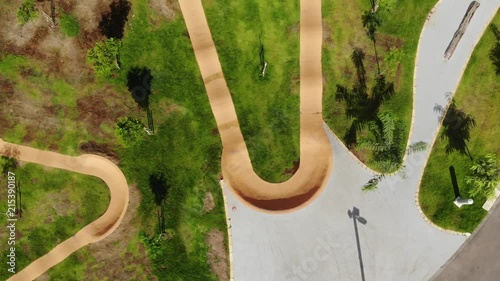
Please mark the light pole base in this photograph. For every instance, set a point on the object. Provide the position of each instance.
(460, 202)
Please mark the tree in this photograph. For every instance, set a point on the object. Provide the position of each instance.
(27, 12)
(103, 57)
(8, 164)
(484, 176)
(130, 130)
(374, 6)
(371, 22)
(392, 60)
(388, 134)
(361, 106)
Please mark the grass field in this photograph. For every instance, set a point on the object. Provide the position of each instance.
(75, 110)
(401, 23)
(267, 106)
(477, 95)
(185, 149)
(70, 201)
(63, 107)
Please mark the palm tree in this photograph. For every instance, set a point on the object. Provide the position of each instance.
(361, 106)
(484, 176)
(371, 22)
(387, 138)
(374, 5)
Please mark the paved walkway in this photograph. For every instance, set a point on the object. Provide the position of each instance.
(479, 258)
(319, 242)
(97, 230)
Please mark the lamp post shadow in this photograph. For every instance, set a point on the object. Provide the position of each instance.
(454, 182)
(354, 215)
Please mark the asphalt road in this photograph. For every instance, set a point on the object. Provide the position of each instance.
(478, 258)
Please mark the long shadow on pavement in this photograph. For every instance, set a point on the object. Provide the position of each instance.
(354, 215)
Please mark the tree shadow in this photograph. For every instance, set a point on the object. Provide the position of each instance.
(456, 128)
(495, 52)
(454, 181)
(362, 106)
(113, 22)
(139, 84)
(10, 158)
(159, 186)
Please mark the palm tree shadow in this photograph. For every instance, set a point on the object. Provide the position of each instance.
(362, 106)
(159, 186)
(456, 128)
(454, 181)
(495, 52)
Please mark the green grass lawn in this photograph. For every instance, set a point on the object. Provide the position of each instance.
(185, 149)
(38, 94)
(477, 95)
(70, 201)
(400, 28)
(267, 107)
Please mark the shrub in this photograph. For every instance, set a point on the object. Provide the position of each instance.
(103, 57)
(69, 25)
(27, 12)
(130, 130)
(484, 176)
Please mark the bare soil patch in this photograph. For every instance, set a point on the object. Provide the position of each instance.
(165, 8)
(389, 41)
(38, 40)
(327, 38)
(208, 202)
(217, 254)
(102, 149)
(112, 257)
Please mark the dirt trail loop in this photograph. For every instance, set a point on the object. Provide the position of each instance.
(99, 229)
(315, 151)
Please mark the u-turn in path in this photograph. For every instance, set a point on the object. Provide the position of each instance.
(389, 239)
(319, 242)
(315, 150)
(99, 229)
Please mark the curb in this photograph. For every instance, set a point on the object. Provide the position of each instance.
(229, 235)
(363, 165)
(436, 133)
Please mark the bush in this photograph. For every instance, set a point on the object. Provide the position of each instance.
(69, 25)
(129, 130)
(27, 12)
(484, 176)
(103, 57)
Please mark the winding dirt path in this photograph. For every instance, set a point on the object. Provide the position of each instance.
(316, 158)
(99, 229)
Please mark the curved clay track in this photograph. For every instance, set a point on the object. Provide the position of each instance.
(315, 150)
(99, 229)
